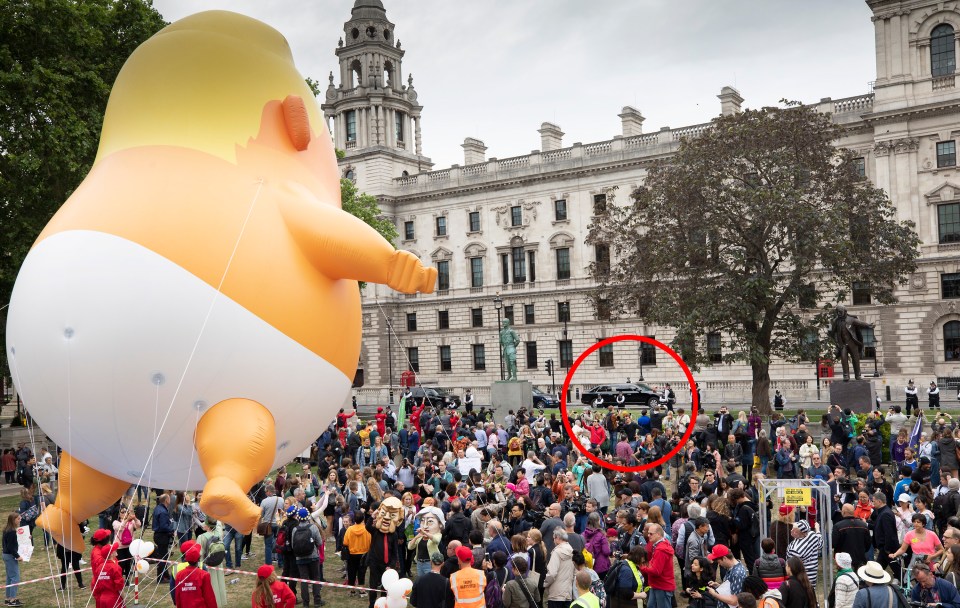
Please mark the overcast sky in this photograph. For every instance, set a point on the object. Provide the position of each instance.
(496, 69)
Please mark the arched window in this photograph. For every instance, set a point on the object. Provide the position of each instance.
(943, 54)
(356, 74)
(951, 340)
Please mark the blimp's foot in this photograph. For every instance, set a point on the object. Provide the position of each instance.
(83, 493)
(236, 444)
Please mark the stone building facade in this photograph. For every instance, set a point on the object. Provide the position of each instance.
(517, 226)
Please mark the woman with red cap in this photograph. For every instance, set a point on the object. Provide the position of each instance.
(193, 588)
(108, 581)
(270, 592)
(381, 422)
(99, 542)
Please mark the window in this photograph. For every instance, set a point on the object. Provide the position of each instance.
(349, 174)
(861, 293)
(508, 314)
(603, 258)
(949, 218)
(869, 343)
(516, 216)
(479, 357)
(398, 118)
(474, 221)
(566, 353)
(606, 355)
(532, 265)
(950, 286)
(408, 233)
(807, 296)
(351, 117)
(648, 353)
(443, 275)
(947, 153)
(446, 362)
(943, 58)
(563, 263)
(531, 355)
(441, 226)
(560, 209)
(519, 265)
(951, 341)
(476, 272)
(859, 167)
(528, 314)
(443, 319)
(599, 203)
(413, 356)
(476, 317)
(505, 267)
(411, 321)
(563, 312)
(714, 348)
(603, 309)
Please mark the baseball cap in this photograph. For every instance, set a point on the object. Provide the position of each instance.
(264, 571)
(718, 552)
(101, 535)
(904, 498)
(785, 509)
(464, 554)
(193, 554)
(436, 558)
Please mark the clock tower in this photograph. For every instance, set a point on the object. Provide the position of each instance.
(375, 116)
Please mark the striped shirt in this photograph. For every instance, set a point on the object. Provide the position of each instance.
(808, 550)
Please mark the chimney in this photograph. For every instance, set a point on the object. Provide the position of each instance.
(473, 151)
(730, 101)
(632, 121)
(551, 137)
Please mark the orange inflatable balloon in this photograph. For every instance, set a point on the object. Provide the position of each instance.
(190, 318)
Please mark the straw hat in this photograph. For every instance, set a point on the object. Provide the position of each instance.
(873, 573)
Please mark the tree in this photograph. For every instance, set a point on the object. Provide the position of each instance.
(58, 60)
(743, 232)
(366, 208)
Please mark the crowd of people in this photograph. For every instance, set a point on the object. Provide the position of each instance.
(512, 512)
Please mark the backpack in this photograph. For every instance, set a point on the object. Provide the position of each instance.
(216, 552)
(611, 579)
(492, 593)
(847, 427)
(302, 544)
(754, 521)
(597, 588)
(280, 542)
(126, 537)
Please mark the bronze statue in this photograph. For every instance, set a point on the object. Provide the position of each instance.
(845, 332)
(509, 340)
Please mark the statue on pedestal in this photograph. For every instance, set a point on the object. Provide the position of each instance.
(845, 332)
(509, 340)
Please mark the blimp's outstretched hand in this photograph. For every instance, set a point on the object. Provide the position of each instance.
(408, 275)
(342, 246)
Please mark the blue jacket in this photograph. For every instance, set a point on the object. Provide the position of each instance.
(942, 592)
(162, 521)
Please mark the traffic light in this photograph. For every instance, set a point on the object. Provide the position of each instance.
(549, 367)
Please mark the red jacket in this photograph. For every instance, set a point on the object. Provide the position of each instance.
(659, 570)
(108, 585)
(194, 590)
(381, 424)
(342, 419)
(597, 435)
(282, 596)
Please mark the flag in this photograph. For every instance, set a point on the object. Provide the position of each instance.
(915, 435)
(402, 413)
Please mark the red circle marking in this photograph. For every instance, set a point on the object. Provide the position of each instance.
(569, 427)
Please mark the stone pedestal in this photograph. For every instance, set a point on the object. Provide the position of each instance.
(858, 395)
(510, 395)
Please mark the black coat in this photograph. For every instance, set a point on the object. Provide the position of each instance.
(458, 528)
(874, 445)
(885, 530)
(852, 535)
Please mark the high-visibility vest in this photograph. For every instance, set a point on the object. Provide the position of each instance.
(587, 600)
(468, 585)
(636, 575)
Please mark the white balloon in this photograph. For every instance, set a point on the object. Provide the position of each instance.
(405, 585)
(146, 549)
(380, 603)
(396, 602)
(389, 579)
(143, 566)
(135, 545)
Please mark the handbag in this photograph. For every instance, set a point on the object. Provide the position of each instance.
(522, 582)
(265, 528)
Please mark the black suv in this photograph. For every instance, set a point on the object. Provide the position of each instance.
(633, 394)
(436, 396)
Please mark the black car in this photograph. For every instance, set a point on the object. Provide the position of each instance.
(633, 394)
(436, 396)
(542, 400)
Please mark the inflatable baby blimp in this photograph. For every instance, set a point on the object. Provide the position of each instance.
(190, 318)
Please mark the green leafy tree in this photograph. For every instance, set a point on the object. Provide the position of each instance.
(366, 208)
(746, 232)
(58, 60)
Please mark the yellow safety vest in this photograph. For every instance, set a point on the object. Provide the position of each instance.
(468, 585)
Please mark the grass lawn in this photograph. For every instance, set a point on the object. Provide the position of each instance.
(47, 594)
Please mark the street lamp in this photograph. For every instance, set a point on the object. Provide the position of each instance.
(390, 356)
(498, 304)
(640, 353)
(565, 309)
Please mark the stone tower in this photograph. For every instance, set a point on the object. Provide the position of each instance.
(375, 116)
